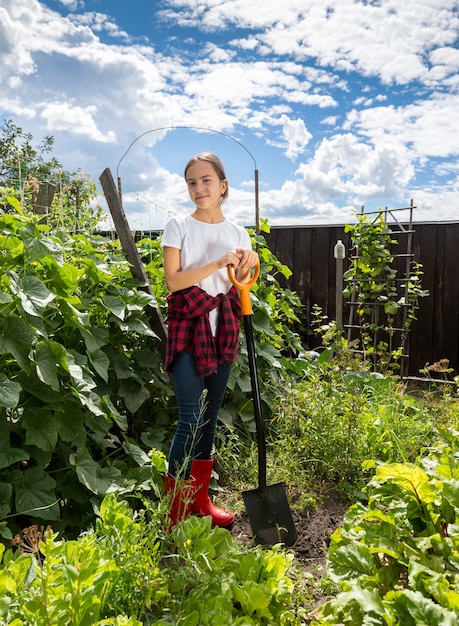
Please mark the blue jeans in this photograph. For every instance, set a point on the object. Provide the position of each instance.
(199, 401)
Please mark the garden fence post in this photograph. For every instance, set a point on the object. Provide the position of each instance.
(132, 254)
(339, 253)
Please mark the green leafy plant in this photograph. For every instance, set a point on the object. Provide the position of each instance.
(381, 301)
(330, 423)
(77, 360)
(129, 570)
(35, 183)
(397, 558)
(335, 348)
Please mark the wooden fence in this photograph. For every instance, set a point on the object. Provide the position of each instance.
(308, 252)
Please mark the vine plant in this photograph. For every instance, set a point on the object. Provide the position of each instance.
(372, 283)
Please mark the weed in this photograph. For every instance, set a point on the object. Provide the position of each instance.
(328, 425)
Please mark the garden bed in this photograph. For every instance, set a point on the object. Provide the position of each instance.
(314, 528)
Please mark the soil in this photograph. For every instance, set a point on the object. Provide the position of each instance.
(314, 528)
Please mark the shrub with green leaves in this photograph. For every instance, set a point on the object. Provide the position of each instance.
(33, 181)
(397, 558)
(385, 305)
(77, 360)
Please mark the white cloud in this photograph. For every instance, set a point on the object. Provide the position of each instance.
(60, 116)
(446, 56)
(386, 39)
(428, 126)
(100, 22)
(341, 101)
(296, 134)
(16, 59)
(72, 4)
(345, 165)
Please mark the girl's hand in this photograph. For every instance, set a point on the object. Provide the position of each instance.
(247, 258)
(240, 259)
(229, 258)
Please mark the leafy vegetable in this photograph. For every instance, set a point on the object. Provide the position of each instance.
(397, 558)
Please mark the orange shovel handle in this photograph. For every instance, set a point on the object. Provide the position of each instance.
(244, 288)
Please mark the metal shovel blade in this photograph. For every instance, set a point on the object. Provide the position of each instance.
(270, 516)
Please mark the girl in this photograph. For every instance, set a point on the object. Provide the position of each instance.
(203, 330)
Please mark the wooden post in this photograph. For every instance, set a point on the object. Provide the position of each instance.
(257, 205)
(156, 319)
(43, 199)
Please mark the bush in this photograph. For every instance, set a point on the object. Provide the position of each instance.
(333, 426)
(77, 360)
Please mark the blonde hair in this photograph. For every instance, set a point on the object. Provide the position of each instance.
(213, 159)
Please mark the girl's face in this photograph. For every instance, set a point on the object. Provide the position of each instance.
(204, 186)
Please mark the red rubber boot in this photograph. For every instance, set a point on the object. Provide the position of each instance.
(182, 494)
(202, 505)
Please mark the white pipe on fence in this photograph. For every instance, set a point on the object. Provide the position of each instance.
(339, 253)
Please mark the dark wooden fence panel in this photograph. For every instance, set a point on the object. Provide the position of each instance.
(423, 328)
(434, 335)
(302, 271)
(438, 287)
(450, 293)
(308, 251)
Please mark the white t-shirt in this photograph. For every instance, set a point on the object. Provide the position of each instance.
(200, 243)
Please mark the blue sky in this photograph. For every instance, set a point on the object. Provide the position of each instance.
(338, 103)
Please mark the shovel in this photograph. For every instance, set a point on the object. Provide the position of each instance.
(267, 506)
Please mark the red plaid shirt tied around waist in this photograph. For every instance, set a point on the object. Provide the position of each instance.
(189, 328)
